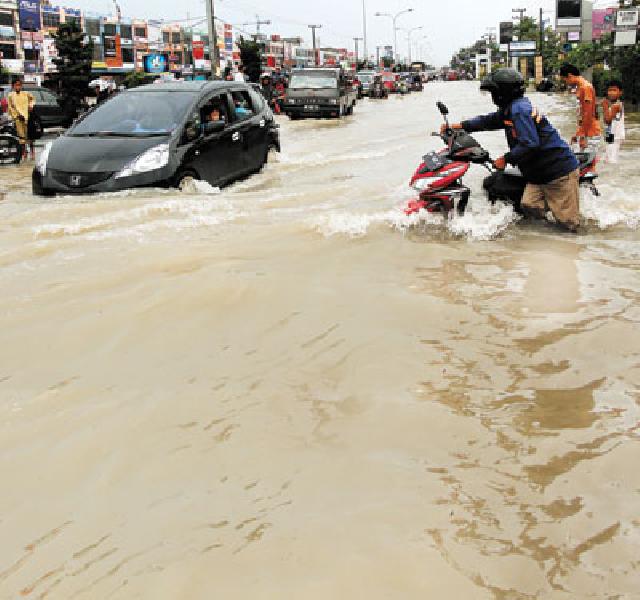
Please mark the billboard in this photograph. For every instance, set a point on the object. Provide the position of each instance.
(29, 11)
(627, 19)
(569, 13)
(603, 21)
(506, 32)
(156, 63)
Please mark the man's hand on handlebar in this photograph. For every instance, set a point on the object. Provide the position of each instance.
(446, 127)
(500, 163)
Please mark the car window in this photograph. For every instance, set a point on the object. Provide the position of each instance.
(215, 108)
(242, 105)
(257, 101)
(48, 98)
(137, 113)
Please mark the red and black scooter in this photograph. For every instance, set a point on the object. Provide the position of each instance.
(438, 179)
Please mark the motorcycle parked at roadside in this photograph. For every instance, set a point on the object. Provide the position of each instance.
(10, 148)
(438, 179)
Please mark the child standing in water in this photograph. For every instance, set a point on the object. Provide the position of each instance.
(613, 109)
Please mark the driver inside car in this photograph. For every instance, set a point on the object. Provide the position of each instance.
(546, 161)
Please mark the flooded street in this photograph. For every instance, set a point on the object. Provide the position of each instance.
(290, 390)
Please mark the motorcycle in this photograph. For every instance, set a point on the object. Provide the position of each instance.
(438, 179)
(10, 148)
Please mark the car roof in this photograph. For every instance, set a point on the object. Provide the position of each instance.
(187, 86)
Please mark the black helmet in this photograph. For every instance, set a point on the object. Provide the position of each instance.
(505, 86)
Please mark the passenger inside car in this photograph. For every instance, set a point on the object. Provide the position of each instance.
(242, 106)
(213, 111)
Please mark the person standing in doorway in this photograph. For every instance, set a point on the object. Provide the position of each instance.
(589, 132)
(613, 109)
(20, 105)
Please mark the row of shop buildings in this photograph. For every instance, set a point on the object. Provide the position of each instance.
(120, 45)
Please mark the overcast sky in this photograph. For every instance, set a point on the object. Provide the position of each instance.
(448, 24)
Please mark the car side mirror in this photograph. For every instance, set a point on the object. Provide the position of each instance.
(191, 131)
(214, 127)
(444, 111)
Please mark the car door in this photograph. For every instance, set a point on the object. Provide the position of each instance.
(217, 157)
(251, 124)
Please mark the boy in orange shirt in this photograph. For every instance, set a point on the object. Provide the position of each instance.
(589, 131)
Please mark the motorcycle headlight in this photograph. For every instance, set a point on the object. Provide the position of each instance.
(41, 165)
(150, 160)
(424, 183)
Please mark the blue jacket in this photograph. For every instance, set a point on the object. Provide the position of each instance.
(536, 147)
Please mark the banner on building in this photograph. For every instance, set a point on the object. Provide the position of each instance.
(627, 19)
(603, 21)
(29, 15)
(112, 50)
(198, 50)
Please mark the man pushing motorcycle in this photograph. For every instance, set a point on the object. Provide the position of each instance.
(546, 161)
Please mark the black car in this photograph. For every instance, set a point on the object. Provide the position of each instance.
(161, 135)
(48, 110)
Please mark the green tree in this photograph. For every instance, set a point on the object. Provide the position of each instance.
(251, 56)
(135, 79)
(73, 64)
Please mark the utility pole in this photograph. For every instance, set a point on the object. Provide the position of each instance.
(258, 23)
(377, 56)
(213, 38)
(356, 40)
(315, 51)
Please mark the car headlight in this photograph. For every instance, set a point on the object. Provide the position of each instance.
(41, 165)
(150, 160)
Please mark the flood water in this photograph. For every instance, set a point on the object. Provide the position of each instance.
(289, 390)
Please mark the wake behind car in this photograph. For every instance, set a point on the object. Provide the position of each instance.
(320, 92)
(161, 135)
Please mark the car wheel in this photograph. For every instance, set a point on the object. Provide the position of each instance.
(185, 180)
(10, 151)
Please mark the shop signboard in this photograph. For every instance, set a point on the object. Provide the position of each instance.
(522, 49)
(29, 15)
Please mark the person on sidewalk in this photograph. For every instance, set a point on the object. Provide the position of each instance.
(613, 109)
(20, 105)
(589, 132)
(547, 163)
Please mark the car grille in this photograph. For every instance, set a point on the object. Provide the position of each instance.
(79, 180)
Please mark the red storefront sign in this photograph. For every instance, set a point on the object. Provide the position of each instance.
(198, 50)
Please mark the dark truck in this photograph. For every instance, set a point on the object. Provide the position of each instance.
(320, 92)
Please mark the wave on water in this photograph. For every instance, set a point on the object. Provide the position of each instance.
(614, 207)
(482, 221)
(176, 213)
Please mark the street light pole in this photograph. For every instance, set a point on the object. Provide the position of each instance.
(315, 51)
(364, 31)
(356, 40)
(394, 18)
(409, 33)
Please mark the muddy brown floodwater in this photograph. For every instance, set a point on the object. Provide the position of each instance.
(288, 390)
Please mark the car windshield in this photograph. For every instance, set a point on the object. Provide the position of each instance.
(137, 114)
(313, 82)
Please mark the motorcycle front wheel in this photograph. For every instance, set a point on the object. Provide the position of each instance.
(10, 151)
